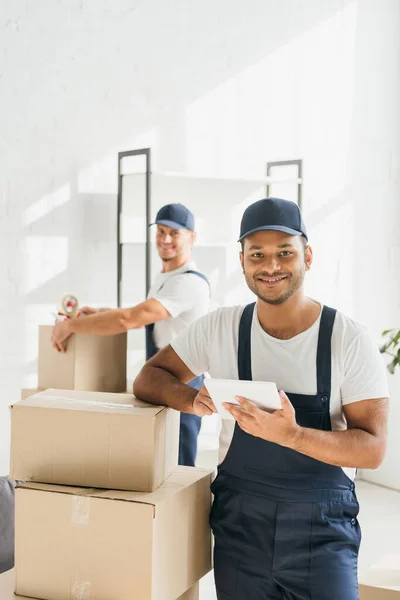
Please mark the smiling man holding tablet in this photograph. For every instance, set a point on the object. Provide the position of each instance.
(285, 510)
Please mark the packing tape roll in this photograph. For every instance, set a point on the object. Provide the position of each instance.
(69, 305)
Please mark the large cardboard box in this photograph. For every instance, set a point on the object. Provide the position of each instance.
(93, 439)
(103, 545)
(7, 585)
(192, 594)
(382, 580)
(369, 592)
(27, 392)
(95, 363)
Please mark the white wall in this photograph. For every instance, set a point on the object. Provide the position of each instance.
(216, 89)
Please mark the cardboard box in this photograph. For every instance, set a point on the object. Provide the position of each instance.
(95, 363)
(7, 587)
(369, 592)
(192, 594)
(27, 392)
(7, 584)
(93, 439)
(382, 580)
(103, 545)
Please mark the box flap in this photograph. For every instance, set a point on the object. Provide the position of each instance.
(57, 489)
(90, 402)
(180, 478)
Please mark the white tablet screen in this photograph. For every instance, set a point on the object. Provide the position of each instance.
(263, 394)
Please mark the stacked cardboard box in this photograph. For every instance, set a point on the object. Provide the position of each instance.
(7, 585)
(93, 439)
(102, 510)
(94, 363)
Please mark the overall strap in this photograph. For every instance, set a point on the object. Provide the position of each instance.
(151, 350)
(201, 275)
(324, 354)
(184, 273)
(244, 346)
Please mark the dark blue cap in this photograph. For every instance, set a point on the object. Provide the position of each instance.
(176, 216)
(272, 214)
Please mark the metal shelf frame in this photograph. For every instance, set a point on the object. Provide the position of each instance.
(288, 163)
(146, 152)
(121, 155)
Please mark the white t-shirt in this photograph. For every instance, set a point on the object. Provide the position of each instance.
(185, 296)
(358, 373)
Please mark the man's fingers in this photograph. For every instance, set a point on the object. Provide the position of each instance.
(236, 411)
(247, 405)
(204, 397)
(286, 404)
(206, 409)
(204, 392)
(201, 409)
(208, 402)
(204, 404)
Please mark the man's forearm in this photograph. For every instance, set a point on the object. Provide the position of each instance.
(350, 448)
(158, 386)
(103, 323)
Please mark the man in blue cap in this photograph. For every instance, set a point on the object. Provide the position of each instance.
(284, 515)
(178, 296)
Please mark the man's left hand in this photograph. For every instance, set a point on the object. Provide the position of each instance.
(279, 426)
(60, 333)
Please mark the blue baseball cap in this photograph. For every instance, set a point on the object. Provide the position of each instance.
(272, 214)
(176, 216)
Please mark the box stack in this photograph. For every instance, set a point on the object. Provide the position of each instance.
(102, 510)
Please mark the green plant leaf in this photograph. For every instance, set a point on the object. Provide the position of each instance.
(386, 332)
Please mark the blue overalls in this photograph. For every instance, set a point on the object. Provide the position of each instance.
(285, 524)
(189, 424)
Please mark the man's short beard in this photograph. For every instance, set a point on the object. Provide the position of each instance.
(296, 284)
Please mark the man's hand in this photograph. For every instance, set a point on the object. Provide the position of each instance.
(61, 332)
(202, 404)
(87, 310)
(279, 426)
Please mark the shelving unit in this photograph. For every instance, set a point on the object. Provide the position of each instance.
(171, 187)
(146, 152)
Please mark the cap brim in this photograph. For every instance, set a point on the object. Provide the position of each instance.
(272, 228)
(169, 224)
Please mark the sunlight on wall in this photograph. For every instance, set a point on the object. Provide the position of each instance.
(295, 103)
(47, 204)
(100, 177)
(44, 258)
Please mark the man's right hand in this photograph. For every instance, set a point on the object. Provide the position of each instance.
(203, 404)
(87, 310)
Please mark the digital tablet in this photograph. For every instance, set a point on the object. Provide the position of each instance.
(264, 394)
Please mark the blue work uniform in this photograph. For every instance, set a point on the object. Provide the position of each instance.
(285, 524)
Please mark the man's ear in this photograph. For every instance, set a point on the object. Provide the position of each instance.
(308, 257)
(241, 258)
